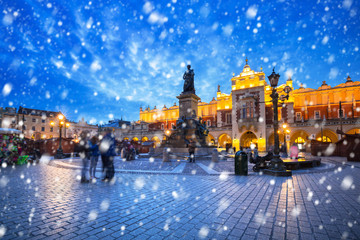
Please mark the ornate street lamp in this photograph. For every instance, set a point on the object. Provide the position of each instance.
(59, 151)
(277, 165)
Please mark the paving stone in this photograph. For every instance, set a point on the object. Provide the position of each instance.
(236, 205)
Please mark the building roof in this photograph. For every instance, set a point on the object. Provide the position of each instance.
(37, 112)
(116, 123)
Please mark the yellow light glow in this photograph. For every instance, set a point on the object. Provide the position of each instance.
(284, 126)
(52, 123)
(60, 117)
(287, 130)
(233, 87)
(227, 107)
(67, 124)
(62, 123)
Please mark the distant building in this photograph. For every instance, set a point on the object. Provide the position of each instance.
(76, 128)
(35, 123)
(245, 116)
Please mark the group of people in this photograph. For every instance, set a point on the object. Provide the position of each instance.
(128, 151)
(91, 149)
(11, 148)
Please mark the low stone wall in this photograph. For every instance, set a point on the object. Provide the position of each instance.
(185, 151)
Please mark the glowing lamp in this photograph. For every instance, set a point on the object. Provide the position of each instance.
(287, 89)
(274, 78)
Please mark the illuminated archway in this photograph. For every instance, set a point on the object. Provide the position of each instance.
(299, 137)
(247, 139)
(135, 139)
(126, 139)
(144, 139)
(224, 139)
(354, 131)
(210, 140)
(156, 140)
(271, 141)
(328, 136)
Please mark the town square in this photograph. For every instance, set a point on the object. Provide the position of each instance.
(179, 120)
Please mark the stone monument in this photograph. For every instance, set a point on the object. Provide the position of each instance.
(188, 126)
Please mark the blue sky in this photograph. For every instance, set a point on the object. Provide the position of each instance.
(104, 59)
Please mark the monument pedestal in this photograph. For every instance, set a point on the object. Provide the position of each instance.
(188, 105)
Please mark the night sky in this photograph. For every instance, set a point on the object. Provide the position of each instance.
(104, 59)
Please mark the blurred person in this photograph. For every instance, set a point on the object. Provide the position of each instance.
(94, 156)
(192, 147)
(294, 151)
(108, 152)
(84, 152)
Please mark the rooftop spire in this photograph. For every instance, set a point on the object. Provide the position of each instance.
(246, 60)
(348, 79)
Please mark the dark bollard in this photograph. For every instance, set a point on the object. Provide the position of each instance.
(241, 164)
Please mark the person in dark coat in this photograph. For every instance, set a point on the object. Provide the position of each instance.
(192, 147)
(108, 152)
(84, 152)
(94, 156)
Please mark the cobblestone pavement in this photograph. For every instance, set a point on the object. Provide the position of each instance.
(49, 202)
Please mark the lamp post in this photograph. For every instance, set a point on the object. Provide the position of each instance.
(277, 165)
(59, 151)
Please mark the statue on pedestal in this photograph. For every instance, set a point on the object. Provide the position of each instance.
(189, 80)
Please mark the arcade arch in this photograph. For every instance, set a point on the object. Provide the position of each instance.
(144, 139)
(354, 131)
(223, 140)
(210, 140)
(135, 139)
(247, 139)
(271, 141)
(156, 140)
(328, 136)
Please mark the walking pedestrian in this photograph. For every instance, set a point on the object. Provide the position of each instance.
(294, 151)
(94, 156)
(84, 152)
(192, 151)
(108, 152)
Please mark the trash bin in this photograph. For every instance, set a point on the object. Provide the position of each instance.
(241, 164)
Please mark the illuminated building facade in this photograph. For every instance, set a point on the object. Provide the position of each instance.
(245, 116)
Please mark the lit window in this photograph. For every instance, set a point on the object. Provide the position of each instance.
(298, 116)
